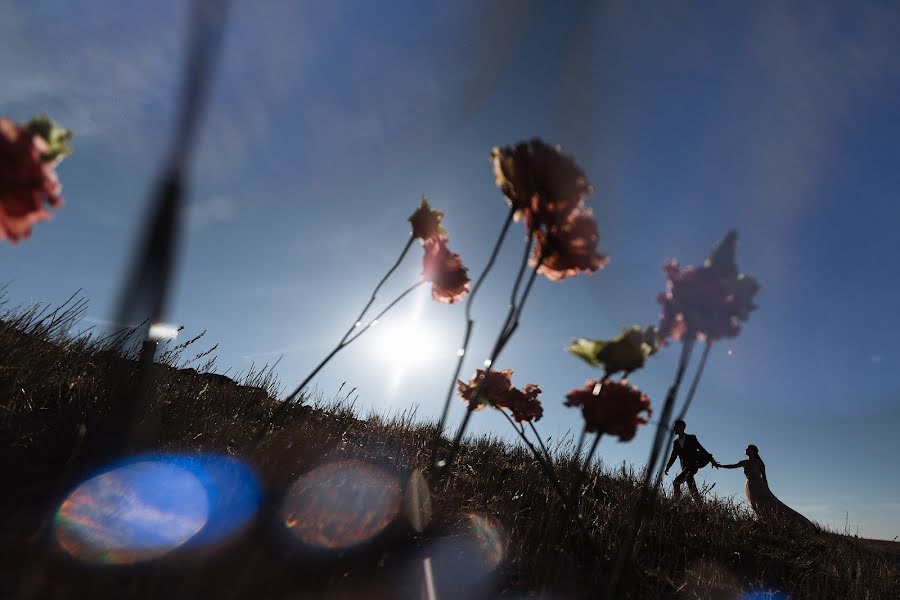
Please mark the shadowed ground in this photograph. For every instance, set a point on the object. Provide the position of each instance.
(496, 528)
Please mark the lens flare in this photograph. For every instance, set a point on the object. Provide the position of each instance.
(341, 504)
(149, 505)
(160, 332)
(460, 564)
(417, 501)
(132, 513)
(233, 492)
(488, 537)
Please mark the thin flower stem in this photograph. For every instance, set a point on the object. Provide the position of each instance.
(502, 339)
(582, 472)
(522, 266)
(581, 439)
(693, 389)
(663, 429)
(645, 502)
(541, 442)
(512, 317)
(344, 339)
(454, 449)
(393, 303)
(470, 323)
(518, 283)
(292, 397)
(387, 275)
(557, 485)
(683, 412)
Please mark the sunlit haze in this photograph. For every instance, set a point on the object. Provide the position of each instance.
(328, 121)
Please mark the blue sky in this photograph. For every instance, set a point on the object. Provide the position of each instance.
(328, 122)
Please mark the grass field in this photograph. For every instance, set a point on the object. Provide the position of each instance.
(496, 528)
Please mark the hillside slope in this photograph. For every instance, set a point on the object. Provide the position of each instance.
(496, 528)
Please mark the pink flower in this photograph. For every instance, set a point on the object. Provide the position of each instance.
(27, 180)
(523, 404)
(495, 388)
(539, 181)
(569, 249)
(426, 222)
(486, 388)
(708, 302)
(446, 272)
(611, 407)
(547, 189)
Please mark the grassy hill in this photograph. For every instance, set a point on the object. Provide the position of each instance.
(496, 528)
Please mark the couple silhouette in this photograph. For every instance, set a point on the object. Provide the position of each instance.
(694, 457)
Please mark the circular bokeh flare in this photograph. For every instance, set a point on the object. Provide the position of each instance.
(132, 513)
(341, 504)
(149, 505)
(488, 537)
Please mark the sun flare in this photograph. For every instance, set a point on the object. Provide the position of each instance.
(403, 344)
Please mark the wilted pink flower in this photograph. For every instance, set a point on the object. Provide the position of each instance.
(523, 404)
(547, 189)
(426, 222)
(708, 302)
(27, 181)
(611, 407)
(446, 272)
(541, 183)
(495, 388)
(486, 388)
(569, 249)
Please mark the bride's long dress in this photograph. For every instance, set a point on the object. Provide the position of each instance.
(761, 498)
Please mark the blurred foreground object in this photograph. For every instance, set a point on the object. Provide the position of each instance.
(28, 155)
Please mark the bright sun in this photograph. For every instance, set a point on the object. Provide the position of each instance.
(407, 343)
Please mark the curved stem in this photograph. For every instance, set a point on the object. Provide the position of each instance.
(470, 323)
(683, 412)
(512, 317)
(581, 439)
(693, 389)
(518, 282)
(387, 275)
(490, 263)
(663, 429)
(393, 303)
(557, 485)
(582, 472)
(454, 449)
(541, 442)
(344, 341)
(291, 398)
(502, 339)
(645, 502)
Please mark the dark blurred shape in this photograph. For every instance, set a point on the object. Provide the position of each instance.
(417, 501)
(341, 504)
(147, 285)
(148, 506)
(712, 580)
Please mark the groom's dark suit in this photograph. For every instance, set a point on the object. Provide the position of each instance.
(693, 458)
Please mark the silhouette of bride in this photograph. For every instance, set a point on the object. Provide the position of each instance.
(761, 498)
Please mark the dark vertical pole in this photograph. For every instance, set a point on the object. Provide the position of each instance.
(145, 293)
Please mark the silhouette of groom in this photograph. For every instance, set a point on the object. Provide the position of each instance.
(693, 458)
